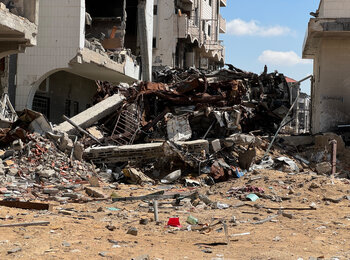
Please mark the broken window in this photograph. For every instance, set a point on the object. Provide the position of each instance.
(42, 105)
(114, 23)
(154, 42)
(155, 10)
(209, 30)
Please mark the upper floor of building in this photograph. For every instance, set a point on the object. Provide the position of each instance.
(18, 25)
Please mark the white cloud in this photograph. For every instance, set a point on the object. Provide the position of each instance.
(280, 58)
(239, 27)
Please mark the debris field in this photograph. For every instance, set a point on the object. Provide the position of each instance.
(185, 162)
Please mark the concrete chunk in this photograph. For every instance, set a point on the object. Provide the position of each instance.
(138, 152)
(92, 114)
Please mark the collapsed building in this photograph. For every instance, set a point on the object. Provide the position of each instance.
(79, 42)
(188, 37)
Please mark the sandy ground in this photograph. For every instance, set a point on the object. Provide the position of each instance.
(322, 233)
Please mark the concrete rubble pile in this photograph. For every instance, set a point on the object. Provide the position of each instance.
(188, 120)
(196, 127)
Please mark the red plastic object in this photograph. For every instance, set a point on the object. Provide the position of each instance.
(174, 222)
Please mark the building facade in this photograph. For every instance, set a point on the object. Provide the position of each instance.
(327, 42)
(81, 41)
(186, 33)
(18, 30)
(78, 42)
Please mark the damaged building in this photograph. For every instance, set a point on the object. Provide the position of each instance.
(327, 42)
(186, 34)
(81, 41)
(18, 30)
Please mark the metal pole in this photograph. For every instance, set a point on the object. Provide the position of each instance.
(155, 206)
(285, 118)
(334, 156)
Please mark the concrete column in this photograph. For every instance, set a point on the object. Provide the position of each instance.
(145, 32)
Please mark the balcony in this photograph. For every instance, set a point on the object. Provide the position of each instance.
(222, 3)
(222, 23)
(18, 26)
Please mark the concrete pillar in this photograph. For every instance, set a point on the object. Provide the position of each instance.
(145, 33)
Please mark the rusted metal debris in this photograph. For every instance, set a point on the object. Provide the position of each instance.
(225, 102)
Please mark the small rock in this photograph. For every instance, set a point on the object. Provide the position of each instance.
(313, 205)
(13, 171)
(132, 231)
(103, 254)
(142, 257)
(276, 239)
(323, 168)
(65, 212)
(66, 244)
(287, 215)
(14, 250)
(144, 221)
(314, 186)
(111, 227)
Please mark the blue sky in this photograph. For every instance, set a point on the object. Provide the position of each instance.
(268, 32)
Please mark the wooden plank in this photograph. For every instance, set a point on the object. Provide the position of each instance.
(26, 224)
(26, 205)
(155, 196)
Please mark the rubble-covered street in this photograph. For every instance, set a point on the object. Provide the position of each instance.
(90, 230)
(126, 133)
(185, 162)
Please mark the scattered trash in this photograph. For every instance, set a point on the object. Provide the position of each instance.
(171, 177)
(252, 197)
(192, 220)
(174, 222)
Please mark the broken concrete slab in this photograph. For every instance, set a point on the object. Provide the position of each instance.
(216, 145)
(137, 152)
(323, 168)
(242, 139)
(298, 140)
(92, 114)
(95, 192)
(322, 142)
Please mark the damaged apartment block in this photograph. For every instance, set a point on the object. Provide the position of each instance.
(188, 36)
(82, 41)
(18, 31)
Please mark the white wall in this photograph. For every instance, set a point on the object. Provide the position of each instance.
(334, 9)
(331, 93)
(60, 35)
(164, 27)
(149, 28)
